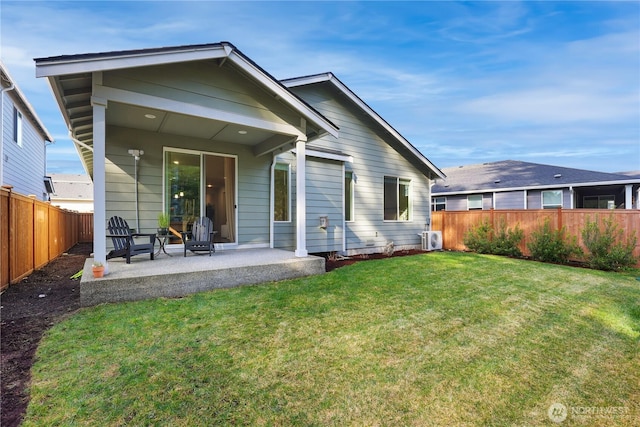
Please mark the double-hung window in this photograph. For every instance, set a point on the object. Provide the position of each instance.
(397, 199)
(439, 203)
(474, 202)
(551, 199)
(282, 190)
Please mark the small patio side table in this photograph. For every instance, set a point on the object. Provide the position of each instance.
(162, 241)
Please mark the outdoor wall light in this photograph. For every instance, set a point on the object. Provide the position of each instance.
(324, 222)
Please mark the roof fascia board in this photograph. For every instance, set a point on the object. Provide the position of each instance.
(55, 67)
(281, 91)
(135, 98)
(535, 187)
(330, 77)
(23, 99)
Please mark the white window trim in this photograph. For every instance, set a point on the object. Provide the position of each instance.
(551, 206)
(353, 193)
(398, 179)
(18, 131)
(165, 149)
(288, 220)
(436, 203)
(469, 208)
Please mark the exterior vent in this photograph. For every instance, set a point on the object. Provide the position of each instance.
(558, 175)
(431, 240)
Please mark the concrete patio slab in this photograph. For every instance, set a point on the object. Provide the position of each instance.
(175, 276)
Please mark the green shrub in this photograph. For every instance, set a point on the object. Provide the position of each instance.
(549, 245)
(483, 239)
(479, 238)
(505, 241)
(605, 245)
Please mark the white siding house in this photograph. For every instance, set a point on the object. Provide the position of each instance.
(24, 139)
(202, 130)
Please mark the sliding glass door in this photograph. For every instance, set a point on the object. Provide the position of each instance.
(200, 184)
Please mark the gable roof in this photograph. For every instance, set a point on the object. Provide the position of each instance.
(402, 144)
(71, 80)
(6, 81)
(510, 175)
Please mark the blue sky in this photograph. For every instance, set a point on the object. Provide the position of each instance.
(471, 82)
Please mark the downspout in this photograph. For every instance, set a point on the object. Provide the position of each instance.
(82, 144)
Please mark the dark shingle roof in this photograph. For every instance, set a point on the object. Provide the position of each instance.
(508, 174)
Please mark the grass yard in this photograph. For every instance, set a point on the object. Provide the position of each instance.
(435, 339)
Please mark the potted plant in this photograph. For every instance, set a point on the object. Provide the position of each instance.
(163, 224)
(98, 269)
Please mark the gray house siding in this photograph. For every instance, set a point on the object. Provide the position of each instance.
(374, 159)
(325, 181)
(456, 203)
(24, 167)
(209, 86)
(509, 200)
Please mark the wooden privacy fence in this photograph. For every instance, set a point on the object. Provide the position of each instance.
(454, 224)
(33, 232)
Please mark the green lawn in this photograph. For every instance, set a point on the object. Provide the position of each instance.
(434, 339)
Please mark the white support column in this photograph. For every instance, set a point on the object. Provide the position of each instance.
(628, 196)
(99, 187)
(301, 199)
(638, 199)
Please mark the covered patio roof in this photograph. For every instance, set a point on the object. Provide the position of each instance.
(76, 83)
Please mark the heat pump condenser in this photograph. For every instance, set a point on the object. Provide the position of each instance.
(431, 240)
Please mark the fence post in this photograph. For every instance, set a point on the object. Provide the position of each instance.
(560, 223)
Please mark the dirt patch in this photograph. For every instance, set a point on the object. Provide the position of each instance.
(332, 262)
(27, 310)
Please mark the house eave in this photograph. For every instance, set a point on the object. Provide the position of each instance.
(433, 171)
(42, 130)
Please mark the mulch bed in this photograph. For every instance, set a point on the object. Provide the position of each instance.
(27, 310)
(45, 298)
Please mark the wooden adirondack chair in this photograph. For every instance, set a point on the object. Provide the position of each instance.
(200, 238)
(123, 243)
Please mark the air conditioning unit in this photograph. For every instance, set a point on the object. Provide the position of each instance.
(431, 240)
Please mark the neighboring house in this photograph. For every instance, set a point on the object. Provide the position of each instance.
(23, 160)
(73, 192)
(511, 184)
(199, 130)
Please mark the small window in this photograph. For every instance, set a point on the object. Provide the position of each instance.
(551, 199)
(281, 199)
(474, 202)
(397, 199)
(17, 126)
(439, 203)
(348, 196)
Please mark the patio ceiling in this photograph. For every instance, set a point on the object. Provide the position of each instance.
(76, 96)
